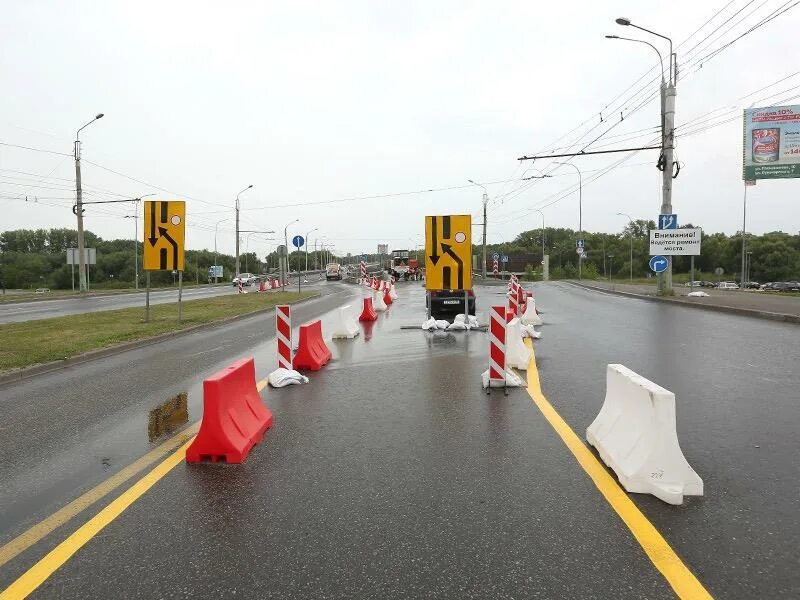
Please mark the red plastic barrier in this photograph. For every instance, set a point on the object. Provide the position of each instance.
(387, 297)
(510, 313)
(262, 287)
(234, 417)
(312, 352)
(368, 314)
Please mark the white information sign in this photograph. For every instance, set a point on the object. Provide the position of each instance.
(675, 242)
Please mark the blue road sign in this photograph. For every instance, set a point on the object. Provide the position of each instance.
(579, 244)
(667, 221)
(298, 241)
(658, 264)
(495, 256)
(504, 258)
(363, 258)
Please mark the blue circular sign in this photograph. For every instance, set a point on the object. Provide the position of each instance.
(658, 264)
(298, 241)
(495, 256)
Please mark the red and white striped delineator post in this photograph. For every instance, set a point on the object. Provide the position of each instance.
(283, 328)
(363, 271)
(513, 301)
(495, 268)
(497, 347)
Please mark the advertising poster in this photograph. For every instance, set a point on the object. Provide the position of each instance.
(771, 142)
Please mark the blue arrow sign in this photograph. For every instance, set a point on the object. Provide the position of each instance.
(495, 256)
(579, 244)
(504, 258)
(667, 221)
(658, 264)
(298, 241)
(363, 258)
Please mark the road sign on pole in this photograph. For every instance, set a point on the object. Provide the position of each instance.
(668, 221)
(672, 242)
(448, 252)
(579, 244)
(496, 256)
(164, 235)
(298, 241)
(658, 264)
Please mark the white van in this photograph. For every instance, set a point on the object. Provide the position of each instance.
(727, 285)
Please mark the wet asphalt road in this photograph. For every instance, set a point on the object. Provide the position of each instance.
(393, 475)
(46, 309)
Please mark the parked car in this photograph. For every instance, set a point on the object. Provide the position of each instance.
(708, 284)
(750, 285)
(782, 286)
(727, 285)
(694, 284)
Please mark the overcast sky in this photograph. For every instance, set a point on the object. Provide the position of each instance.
(314, 102)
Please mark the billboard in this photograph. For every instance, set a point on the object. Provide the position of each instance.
(771, 142)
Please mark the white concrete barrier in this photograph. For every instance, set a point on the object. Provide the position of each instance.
(531, 317)
(345, 326)
(635, 435)
(377, 302)
(517, 353)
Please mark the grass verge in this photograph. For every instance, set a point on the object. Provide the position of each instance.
(33, 342)
(16, 296)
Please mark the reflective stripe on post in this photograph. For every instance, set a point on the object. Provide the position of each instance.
(497, 343)
(283, 329)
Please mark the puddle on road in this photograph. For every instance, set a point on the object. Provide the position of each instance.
(168, 416)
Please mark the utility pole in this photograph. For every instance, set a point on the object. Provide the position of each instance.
(744, 236)
(666, 161)
(307, 242)
(237, 228)
(580, 214)
(135, 217)
(630, 236)
(78, 208)
(485, 203)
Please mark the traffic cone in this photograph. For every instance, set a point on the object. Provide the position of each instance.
(387, 297)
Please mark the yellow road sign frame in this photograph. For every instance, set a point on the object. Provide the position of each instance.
(448, 252)
(164, 235)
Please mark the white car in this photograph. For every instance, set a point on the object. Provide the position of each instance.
(245, 278)
(727, 285)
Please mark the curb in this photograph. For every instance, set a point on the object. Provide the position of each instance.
(48, 367)
(746, 312)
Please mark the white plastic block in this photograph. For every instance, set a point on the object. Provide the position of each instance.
(635, 435)
(517, 353)
(345, 326)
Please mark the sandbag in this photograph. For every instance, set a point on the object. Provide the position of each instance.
(282, 377)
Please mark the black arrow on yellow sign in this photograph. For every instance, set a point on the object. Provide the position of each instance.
(163, 257)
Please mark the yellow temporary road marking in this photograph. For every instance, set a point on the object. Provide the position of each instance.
(47, 565)
(42, 529)
(677, 574)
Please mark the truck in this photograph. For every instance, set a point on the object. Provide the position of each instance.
(333, 271)
(403, 267)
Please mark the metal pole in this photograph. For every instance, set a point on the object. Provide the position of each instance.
(669, 148)
(79, 213)
(236, 269)
(485, 202)
(136, 246)
(744, 234)
(180, 293)
(691, 284)
(147, 297)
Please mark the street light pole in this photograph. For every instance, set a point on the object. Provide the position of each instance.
(666, 161)
(237, 227)
(286, 246)
(580, 212)
(541, 213)
(485, 203)
(622, 214)
(308, 234)
(82, 281)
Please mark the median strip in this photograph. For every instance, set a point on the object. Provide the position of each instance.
(33, 342)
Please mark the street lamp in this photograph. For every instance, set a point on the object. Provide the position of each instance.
(82, 281)
(216, 279)
(308, 234)
(611, 268)
(247, 246)
(660, 58)
(666, 160)
(580, 211)
(485, 202)
(541, 213)
(622, 214)
(237, 226)
(286, 246)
